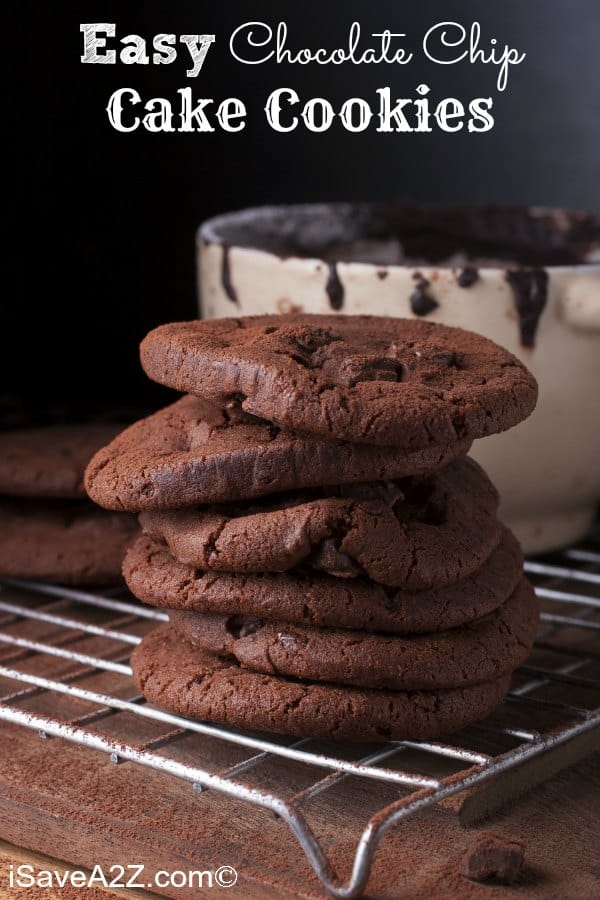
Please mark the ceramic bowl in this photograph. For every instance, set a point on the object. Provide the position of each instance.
(527, 278)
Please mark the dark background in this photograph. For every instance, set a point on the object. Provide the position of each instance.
(104, 223)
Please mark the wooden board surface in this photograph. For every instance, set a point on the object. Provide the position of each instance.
(73, 804)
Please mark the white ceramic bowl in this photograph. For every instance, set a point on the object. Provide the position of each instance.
(528, 279)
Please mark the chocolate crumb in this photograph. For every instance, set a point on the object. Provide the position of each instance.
(493, 856)
(334, 288)
(382, 273)
(226, 281)
(420, 301)
(467, 276)
(530, 289)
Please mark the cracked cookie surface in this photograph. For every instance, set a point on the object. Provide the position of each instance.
(305, 597)
(480, 651)
(376, 380)
(175, 675)
(416, 532)
(194, 452)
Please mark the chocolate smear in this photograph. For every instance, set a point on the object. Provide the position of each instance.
(530, 289)
(420, 301)
(334, 288)
(226, 281)
(467, 276)
(497, 235)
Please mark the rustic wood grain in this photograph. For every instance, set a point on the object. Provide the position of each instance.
(72, 804)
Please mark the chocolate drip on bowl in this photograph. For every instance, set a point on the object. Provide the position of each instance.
(530, 289)
(334, 288)
(420, 301)
(467, 276)
(226, 281)
(398, 233)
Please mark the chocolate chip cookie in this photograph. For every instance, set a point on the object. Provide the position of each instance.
(62, 542)
(414, 533)
(193, 452)
(175, 675)
(307, 598)
(386, 381)
(49, 462)
(480, 651)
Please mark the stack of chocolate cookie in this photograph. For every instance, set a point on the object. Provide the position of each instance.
(49, 531)
(332, 563)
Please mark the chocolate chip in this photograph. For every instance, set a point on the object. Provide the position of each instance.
(305, 346)
(233, 409)
(418, 504)
(312, 339)
(330, 559)
(241, 626)
(467, 276)
(355, 369)
(445, 359)
(303, 359)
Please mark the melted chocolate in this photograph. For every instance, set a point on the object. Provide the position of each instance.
(425, 235)
(334, 288)
(467, 276)
(226, 276)
(530, 289)
(420, 301)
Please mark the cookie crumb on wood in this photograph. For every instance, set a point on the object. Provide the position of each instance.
(494, 856)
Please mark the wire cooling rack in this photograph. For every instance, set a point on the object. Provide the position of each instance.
(55, 641)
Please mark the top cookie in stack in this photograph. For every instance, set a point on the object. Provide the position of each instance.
(333, 564)
(365, 379)
(49, 531)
